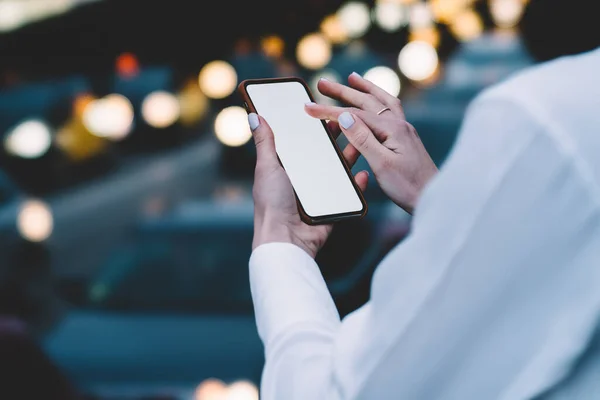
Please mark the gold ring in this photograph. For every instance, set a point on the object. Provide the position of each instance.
(384, 110)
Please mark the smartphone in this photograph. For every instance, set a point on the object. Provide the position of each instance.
(323, 183)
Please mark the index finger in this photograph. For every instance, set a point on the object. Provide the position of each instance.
(364, 85)
(348, 95)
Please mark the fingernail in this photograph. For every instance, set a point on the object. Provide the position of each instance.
(253, 121)
(324, 79)
(368, 174)
(345, 119)
(356, 74)
(310, 104)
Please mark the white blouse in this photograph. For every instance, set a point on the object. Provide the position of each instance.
(495, 294)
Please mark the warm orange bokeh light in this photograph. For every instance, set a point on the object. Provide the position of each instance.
(80, 103)
(127, 65)
(429, 35)
(272, 46)
(333, 29)
(211, 389)
(467, 25)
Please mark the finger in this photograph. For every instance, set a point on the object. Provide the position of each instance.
(264, 140)
(347, 95)
(362, 180)
(322, 111)
(364, 85)
(362, 138)
(350, 155)
(334, 129)
(380, 126)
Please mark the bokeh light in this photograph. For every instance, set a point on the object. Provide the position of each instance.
(242, 390)
(333, 29)
(127, 65)
(193, 104)
(506, 13)
(110, 117)
(12, 15)
(217, 79)
(429, 35)
(77, 142)
(313, 51)
(467, 25)
(390, 16)
(355, 18)
(231, 126)
(35, 221)
(161, 109)
(420, 16)
(80, 104)
(418, 60)
(446, 10)
(211, 389)
(29, 139)
(272, 46)
(385, 78)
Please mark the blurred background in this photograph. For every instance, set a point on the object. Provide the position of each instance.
(126, 168)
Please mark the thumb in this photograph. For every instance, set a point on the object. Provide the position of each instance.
(361, 137)
(263, 139)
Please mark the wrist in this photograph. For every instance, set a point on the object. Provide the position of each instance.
(271, 229)
(418, 187)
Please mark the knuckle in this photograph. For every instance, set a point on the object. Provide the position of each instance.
(361, 139)
(404, 127)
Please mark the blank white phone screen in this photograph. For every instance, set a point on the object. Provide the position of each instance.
(305, 150)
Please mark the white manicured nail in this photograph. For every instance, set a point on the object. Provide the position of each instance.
(345, 119)
(356, 74)
(324, 79)
(310, 104)
(253, 121)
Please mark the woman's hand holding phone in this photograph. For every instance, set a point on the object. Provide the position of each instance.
(390, 145)
(276, 217)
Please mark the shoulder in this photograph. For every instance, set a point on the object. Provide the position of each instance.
(536, 88)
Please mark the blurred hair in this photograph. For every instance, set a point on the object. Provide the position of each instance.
(555, 28)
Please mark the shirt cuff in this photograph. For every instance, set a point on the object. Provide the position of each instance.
(288, 290)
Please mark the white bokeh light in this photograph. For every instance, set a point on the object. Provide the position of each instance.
(390, 16)
(29, 139)
(231, 126)
(217, 79)
(421, 16)
(110, 117)
(35, 221)
(418, 60)
(506, 13)
(161, 109)
(385, 78)
(12, 15)
(355, 18)
(313, 51)
(242, 390)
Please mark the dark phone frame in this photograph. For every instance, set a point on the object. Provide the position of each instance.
(306, 218)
